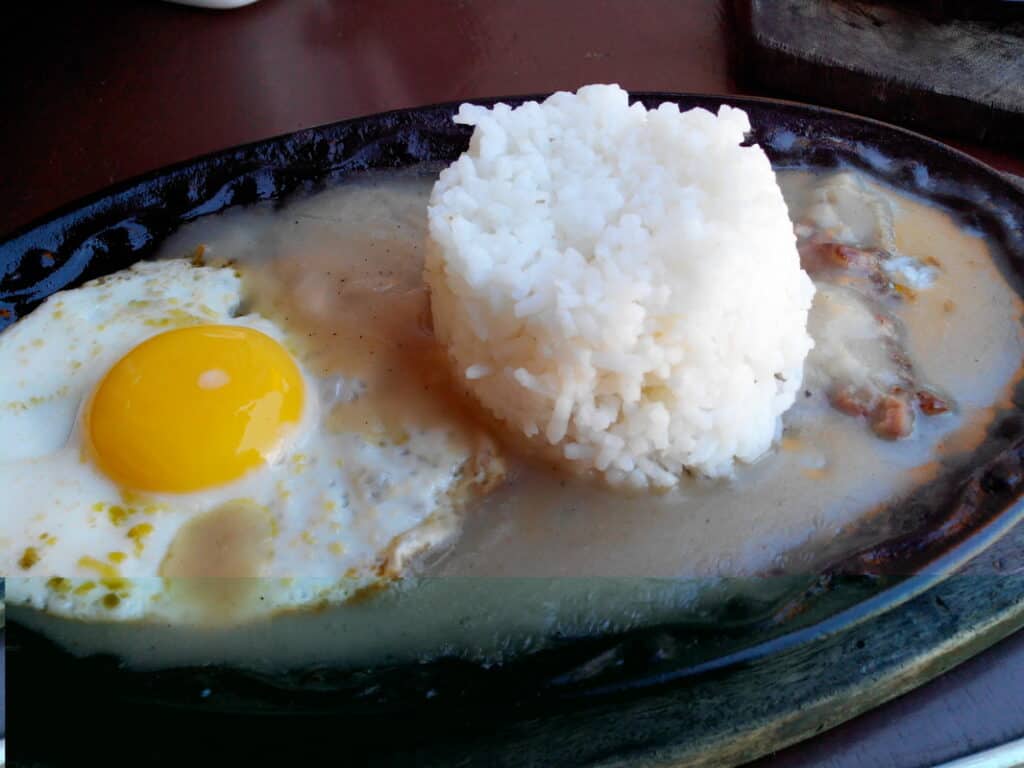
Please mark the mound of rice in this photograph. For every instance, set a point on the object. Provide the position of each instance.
(621, 284)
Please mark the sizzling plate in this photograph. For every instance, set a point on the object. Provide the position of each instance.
(750, 678)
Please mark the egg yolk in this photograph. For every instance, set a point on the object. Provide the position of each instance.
(194, 408)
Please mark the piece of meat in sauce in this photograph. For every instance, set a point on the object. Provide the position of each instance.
(841, 264)
(847, 236)
(859, 357)
(859, 360)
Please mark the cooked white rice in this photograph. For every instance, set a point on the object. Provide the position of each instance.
(621, 284)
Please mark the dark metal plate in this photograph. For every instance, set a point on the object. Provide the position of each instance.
(746, 678)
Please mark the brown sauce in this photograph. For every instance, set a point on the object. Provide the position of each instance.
(213, 558)
(233, 540)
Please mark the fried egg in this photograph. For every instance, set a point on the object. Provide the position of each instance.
(164, 455)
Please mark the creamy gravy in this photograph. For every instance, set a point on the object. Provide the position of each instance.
(348, 263)
(963, 333)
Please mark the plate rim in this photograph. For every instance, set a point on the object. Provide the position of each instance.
(992, 536)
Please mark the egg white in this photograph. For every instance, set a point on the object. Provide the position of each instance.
(347, 511)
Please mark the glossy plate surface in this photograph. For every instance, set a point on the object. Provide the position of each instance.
(749, 679)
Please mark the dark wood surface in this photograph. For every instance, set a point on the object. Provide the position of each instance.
(973, 707)
(895, 61)
(97, 93)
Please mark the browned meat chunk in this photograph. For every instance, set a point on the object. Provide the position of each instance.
(859, 268)
(931, 404)
(847, 243)
(890, 415)
(893, 417)
(851, 401)
(859, 360)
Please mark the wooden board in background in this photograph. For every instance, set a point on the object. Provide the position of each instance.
(896, 62)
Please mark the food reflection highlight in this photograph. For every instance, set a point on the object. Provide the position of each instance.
(195, 408)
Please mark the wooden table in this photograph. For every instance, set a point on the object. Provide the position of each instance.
(97, 93)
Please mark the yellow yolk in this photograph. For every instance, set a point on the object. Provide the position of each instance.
(194, 408)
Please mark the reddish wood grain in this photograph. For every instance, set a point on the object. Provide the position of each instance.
(100, 93)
